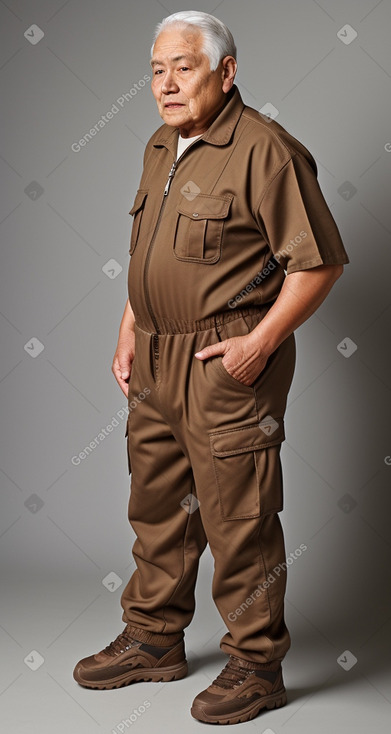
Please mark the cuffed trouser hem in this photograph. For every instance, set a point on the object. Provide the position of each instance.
(273, 665)
(152, 638)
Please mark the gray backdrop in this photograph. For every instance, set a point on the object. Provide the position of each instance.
(64, 536)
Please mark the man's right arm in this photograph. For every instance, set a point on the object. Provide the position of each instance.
(124, 355)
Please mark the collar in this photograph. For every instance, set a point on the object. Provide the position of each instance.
(218, 133)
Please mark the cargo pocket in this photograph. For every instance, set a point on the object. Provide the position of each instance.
(247, 469)
(199, 228)
(137, 214)
(127, 445)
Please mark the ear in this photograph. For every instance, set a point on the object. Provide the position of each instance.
(229, 67)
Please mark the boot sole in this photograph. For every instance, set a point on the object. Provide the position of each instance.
(155, 675)
(275, 701)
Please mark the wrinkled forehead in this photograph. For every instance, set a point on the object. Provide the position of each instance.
(178, 44)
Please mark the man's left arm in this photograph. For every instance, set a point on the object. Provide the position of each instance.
(244, 357)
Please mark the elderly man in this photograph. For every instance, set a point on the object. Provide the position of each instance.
(232, 248)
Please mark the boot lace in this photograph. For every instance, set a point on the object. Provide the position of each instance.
(121, 643)
(232, 675)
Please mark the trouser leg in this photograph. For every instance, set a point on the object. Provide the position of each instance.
(159, 598)
(238, 477)
(254, 610)
(249, 561)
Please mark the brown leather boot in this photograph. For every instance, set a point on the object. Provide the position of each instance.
(239, 692)
(127, 660)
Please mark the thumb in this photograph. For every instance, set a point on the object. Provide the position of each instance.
(211, 351)
(125, 370)
(124, 366)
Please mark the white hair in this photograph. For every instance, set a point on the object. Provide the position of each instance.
(218, 39)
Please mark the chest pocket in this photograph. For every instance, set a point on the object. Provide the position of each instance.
(137, 214)
(199, 228)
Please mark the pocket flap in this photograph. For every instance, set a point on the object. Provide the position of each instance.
(268, 432)
(139, 201)
(204, 206)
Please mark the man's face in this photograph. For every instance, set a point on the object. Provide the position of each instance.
(188, 94)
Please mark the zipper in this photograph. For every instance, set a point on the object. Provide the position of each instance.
(151, 244)
(170, 177)
(155, 336)
(155, 347)
(148, 257)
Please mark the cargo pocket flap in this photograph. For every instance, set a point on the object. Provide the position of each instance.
(137, 212)
(139, 201)
(267, 432)
(206, 207)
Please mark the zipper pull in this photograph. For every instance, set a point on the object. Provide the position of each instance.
(170, 176)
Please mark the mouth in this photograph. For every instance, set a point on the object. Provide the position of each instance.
(173, 105)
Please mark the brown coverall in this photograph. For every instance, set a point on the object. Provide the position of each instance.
(201, 270)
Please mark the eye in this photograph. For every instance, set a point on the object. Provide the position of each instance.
(158, 71)
(184, 68)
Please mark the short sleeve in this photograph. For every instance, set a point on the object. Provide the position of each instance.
(296, 220)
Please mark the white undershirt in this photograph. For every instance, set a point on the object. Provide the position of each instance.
(183, 143)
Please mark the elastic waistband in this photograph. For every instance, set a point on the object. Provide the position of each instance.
(180, 326)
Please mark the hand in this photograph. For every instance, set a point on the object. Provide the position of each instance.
(242, 357)
(122, 361)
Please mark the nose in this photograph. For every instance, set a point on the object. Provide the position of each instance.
(169, 85)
